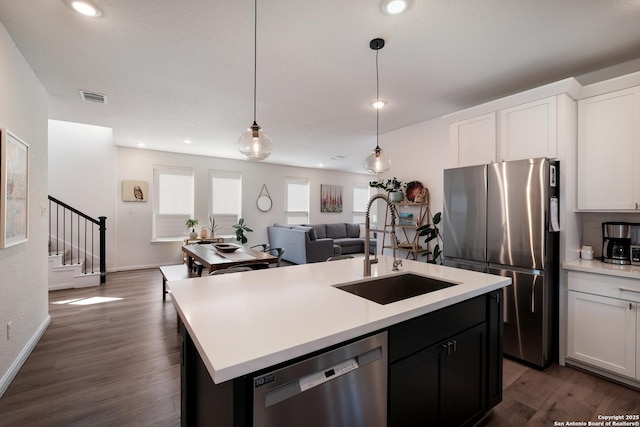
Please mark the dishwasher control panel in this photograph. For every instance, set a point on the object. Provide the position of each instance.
(322, 377)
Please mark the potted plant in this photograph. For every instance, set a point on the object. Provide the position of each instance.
(212, 226)
(191, 223)
(432, 232)
(392, 186)
(241, 228)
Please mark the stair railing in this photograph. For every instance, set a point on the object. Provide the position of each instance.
(63, 222)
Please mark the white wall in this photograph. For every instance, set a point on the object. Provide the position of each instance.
(23, 268)
(135, 249)
(420, 152)
(83, 173)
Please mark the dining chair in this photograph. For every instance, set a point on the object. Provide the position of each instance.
(338, 257)
(262, 247)
(235, 269)
(277, 252)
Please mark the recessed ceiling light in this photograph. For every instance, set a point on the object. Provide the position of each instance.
(320, 165)
(378, 104)
(85, 8)
(187, 141)
(141, 144)
(394, 7)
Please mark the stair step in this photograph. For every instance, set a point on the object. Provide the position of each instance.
(69, 276)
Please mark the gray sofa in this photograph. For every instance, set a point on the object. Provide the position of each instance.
(308, 243)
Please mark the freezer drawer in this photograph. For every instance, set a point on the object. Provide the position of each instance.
(345, 387)
(528, 316)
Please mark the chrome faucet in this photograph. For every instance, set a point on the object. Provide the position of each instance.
(367, 231)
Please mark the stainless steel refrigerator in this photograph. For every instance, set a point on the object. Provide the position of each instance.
(501, 218)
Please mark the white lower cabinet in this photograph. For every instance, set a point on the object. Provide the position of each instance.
(602, 332)
(603, 324)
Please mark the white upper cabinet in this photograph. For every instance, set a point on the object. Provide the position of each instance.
(529, 130)
(473, 141)
(609, 151)
(524, 131)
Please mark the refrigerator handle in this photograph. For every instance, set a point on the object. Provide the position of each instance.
(533, 297)
(505, 311)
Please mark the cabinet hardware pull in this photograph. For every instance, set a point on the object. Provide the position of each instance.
(496, 297)
(630, 306)
(455, 346)
(630, 290)
(450, 346)
(446, 346)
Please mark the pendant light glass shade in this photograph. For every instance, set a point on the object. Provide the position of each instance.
(377, 162)
(255, 144)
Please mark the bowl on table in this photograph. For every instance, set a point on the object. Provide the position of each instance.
(226, 247)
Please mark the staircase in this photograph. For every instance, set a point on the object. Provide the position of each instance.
(76, 248)
(66, 275)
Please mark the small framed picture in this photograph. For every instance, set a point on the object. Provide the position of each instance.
(135, 191)
(14, 189)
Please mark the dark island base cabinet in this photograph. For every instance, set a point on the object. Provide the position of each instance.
(445, 369)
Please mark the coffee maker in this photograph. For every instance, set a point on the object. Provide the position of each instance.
(616, 242)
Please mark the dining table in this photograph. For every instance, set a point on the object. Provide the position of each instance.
(211, 258)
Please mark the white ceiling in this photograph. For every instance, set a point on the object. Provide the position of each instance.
(176, 69)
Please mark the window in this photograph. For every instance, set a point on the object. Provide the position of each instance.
(225, 204)
(297, 200)
(361, 195)
(173, 202)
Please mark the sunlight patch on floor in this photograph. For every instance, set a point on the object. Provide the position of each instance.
(87, 301)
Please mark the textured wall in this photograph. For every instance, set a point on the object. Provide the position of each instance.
(23, 268)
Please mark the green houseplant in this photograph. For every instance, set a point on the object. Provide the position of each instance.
(191, 223)
(393, 186)
(432, 232)
(241, 228)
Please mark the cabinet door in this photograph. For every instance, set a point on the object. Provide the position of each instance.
(473, 141)
(443, 385)
(608, 151)
(601, 331)
(464, 379)
(415, 389)
(529, 130)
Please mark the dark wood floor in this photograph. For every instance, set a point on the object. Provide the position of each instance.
(117, 364)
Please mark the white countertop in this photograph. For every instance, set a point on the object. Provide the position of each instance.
(598, 267)
(244, 322)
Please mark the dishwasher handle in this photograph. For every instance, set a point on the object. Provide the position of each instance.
(307, 382)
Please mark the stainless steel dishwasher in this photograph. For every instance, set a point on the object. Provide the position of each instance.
(345, 387)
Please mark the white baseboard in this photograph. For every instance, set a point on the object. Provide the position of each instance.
(22, 357)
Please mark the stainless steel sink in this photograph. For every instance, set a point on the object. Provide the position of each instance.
(395, 288)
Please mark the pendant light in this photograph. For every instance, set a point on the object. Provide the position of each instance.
(377, 162)
(255, 144)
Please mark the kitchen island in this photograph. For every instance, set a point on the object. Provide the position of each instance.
(239, 326)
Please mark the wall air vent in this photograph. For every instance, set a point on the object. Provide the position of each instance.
(100, 98)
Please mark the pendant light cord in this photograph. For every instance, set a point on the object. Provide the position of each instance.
(255, 56)
(377, 100)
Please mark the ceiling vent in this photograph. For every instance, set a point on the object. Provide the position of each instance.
(100, 98)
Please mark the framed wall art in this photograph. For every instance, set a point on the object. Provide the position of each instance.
(330, 198)
(14, 189)
(135, 191)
